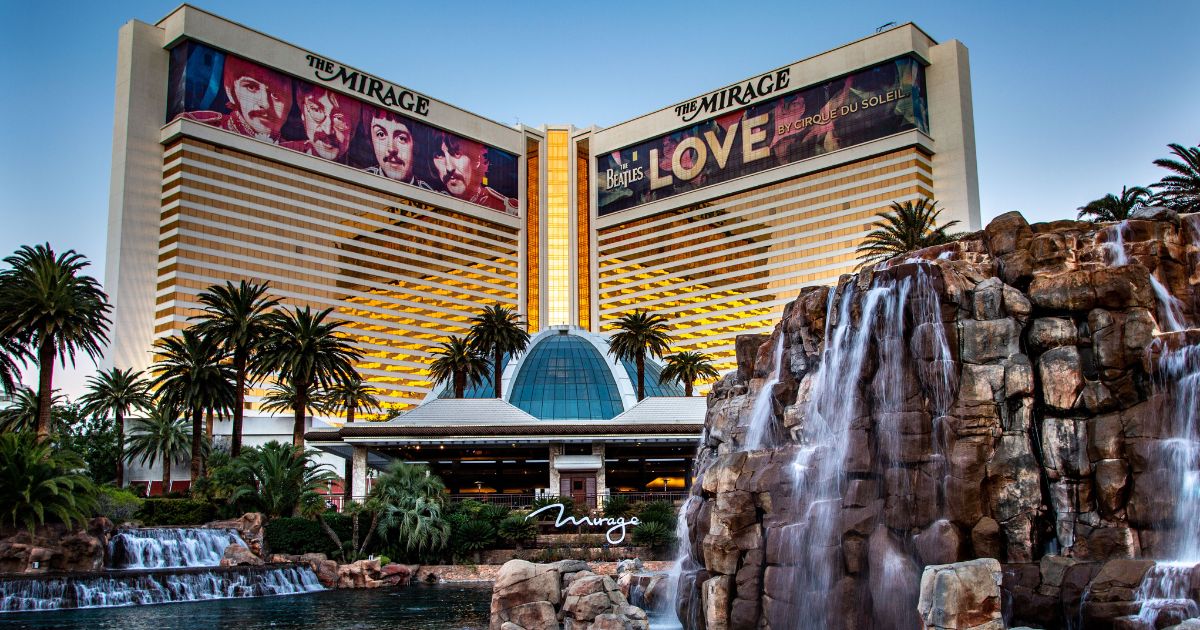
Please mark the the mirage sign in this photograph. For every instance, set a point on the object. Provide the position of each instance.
(615, 525)
(869, 104)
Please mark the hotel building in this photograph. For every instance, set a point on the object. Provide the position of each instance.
(239, 156)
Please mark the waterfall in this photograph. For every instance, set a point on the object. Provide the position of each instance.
(1115, 251)
(763, 412)
(845, 395)
(1114, 247)
(134, 588)
(682, 577)
(156, 548)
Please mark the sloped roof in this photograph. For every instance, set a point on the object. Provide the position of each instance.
(459, 412)
(666, 410)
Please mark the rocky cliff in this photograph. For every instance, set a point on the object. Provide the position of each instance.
(1007, 396)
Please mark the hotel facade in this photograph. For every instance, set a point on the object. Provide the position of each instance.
(239, 156)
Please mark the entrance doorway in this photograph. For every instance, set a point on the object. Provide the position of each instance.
(581, 489)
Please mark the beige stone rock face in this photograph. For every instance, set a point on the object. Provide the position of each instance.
(961, 596)
(564, 594)
(237, 556)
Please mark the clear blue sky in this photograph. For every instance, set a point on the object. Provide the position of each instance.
(1072, 100)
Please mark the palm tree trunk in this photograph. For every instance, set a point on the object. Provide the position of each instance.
(208, 423)
(298, 410)
(120, 450)
(239, 366)
(197, 442)
(687, 388)
(460, 383)
(498, 357)
(370, 533)
(641, 370)
(349, 414)
(166, 475)
(45, 387)
(329, 531)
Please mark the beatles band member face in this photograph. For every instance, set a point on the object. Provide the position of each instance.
(329, 120)
(393, 144)
(459, 165)
(260, 98)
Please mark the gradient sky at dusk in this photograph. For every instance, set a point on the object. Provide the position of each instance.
(1072, 100)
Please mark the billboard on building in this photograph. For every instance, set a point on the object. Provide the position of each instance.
(231, 93)
(866, 105)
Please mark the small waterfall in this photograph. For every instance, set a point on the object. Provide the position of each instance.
(135, 588)
(763, 412)
(1172, 318)
(1114, 247)
(158, 548)
(681, 580)
(1165, 595)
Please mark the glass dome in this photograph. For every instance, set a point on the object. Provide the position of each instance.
(565, 377)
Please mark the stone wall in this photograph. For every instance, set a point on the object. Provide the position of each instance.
(1050, 440)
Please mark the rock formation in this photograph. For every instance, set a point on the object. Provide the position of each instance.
(565, 594)
(998, 397)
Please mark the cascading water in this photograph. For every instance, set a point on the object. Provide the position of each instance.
(156, 548)
(683, 573)
(844, 397)
(133, 588)
(1171, 308)
(762, 414)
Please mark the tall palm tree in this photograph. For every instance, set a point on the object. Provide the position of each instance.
(304, 348)
(495, 332)
(1181, 189)
(21, 414)
(281, 396)
(639, 333)
(1113, 208)
(349, 396)
(687, 368)
(237, 316)
(191, 374)
(908, 227)
(458, 363)
(11, 353)
(161, 436)
(49, 305)
(117, 392)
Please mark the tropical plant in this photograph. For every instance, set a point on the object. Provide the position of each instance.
(12, 356)
(472, 537)
(21, 414)
(281, 397)
(117, 504)
(279, 479)
(48, 304)
(1113, 208)
(908, 227)
(1180, 190)
(162, 436)
(637, 334)
(617, 506)
(236, 316)
(192, 375)
(458, 363)
(349, 396)
(658, 512)
(517, 530)
(542, 501)
(94, 438)
(304, 348)
(41, 481)
(408, 501)
(118, 392)
(687, 368)
(654, 535)
(498, 331)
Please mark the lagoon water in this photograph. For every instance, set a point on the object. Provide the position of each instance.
(419, 607)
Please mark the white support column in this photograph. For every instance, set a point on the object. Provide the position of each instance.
(555, 451)
(358, 470)
(601, 484)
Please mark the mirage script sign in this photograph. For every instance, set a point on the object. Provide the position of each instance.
(616, 525)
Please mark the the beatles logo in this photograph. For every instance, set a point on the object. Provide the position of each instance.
(741, 94)
(615, 524)
(368, 86)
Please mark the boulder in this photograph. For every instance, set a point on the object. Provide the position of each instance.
(239, 556)
(961, 596)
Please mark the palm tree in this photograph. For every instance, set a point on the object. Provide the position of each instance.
(1181, 190)
(237, 317)
(687, 368)
(21, 415)
(407, 501)
(47, 304)
(190, 373)
(117, 392)
(1113, 208)
(39, 481)
(350, 396)
(498, 331)
(908, 227)
(457, 362)
(161, 436)
(11, 353)
(308, 354)
(280, 479)
(639, 333)
(281, 397)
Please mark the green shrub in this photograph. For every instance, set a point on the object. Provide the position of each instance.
(160, 511)
(516, 530)
(118, 504)
(493, 513)
(617, 506)
(658, 512)
(654, 535)
(540, 502)
(472, 537)
(295, 535)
